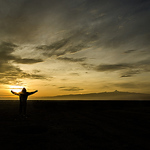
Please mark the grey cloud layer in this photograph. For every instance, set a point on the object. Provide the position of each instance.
(109, 23)
(114, 25)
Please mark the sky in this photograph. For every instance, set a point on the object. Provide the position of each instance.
(62, 47)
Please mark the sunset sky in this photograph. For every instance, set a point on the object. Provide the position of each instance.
(62, 47)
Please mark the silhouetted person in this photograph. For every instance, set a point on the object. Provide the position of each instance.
(23, 95)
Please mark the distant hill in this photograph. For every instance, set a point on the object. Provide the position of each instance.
(116, 95)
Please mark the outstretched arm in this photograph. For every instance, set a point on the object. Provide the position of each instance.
(30, 93)
(14, 92)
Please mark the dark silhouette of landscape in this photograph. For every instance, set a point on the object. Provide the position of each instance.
(116, 95)
(72, 125)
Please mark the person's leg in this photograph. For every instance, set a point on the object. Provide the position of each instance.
(20, 108)
(24, 107)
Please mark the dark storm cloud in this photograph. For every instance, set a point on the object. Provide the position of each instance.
(71, 59)
(70, 88)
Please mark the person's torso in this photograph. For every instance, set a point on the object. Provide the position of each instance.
(23, 96)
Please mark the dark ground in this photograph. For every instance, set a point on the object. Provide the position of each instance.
(74, 125)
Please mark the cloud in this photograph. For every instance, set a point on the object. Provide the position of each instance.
(137, 68)
(131, 16)
(6, 50)
(31, 76)
(76, 48)
(130, 51)
(71, 59)
(125, 69)
(126, 75)
(28, 21)
(69, 44)
(113, 67)
(54, 46)
(130, 72)
(76, 25)
(27, 61)
(10, 73)
(5, 55)
(15, 74)
(70, 88)
(57, 28)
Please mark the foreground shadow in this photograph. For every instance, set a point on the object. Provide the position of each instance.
(30, 129)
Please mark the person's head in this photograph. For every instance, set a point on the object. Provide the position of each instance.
(24, 90)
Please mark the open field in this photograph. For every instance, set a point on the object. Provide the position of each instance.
(72, 125)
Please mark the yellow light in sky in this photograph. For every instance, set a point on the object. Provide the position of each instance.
(16, 88)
